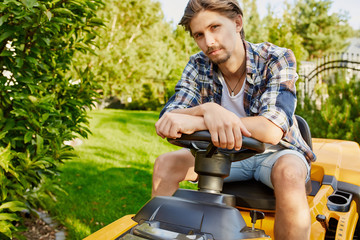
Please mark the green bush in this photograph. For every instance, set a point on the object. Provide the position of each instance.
(146, 100)
(40, 105)
(337, 114)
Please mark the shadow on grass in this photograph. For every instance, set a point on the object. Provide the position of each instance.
(106, 195)
(142, 120)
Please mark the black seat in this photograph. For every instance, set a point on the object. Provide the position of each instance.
(304, 130)
(254, 194)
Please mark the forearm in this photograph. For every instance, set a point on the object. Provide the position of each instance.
(260, 127)
(193, 111)
(263, 129)
(173, 124)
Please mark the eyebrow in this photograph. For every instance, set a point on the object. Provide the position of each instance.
(208, 26)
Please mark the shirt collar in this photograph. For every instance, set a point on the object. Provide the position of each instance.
(250, 63)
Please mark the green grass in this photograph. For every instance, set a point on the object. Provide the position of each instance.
(111, 176)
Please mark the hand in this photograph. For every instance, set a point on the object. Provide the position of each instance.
(225, 127)
(172, 125)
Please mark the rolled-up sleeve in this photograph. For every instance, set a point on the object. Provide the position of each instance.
(187, 93)
(278, 102)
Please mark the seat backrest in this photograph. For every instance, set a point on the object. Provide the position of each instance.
(304, 130)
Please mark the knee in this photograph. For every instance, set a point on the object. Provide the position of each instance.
(167, 167)
(161, 167)
(288, 175)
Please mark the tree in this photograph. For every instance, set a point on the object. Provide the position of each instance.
(281, 31)
(40, 106)
(136, 47)
(253, 25)
(321, 31)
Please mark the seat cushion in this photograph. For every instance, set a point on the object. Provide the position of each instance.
(251, 194)
(256, 195)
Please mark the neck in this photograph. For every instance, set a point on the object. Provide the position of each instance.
(236, 65)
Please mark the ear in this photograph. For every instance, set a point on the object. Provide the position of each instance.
(239, 23)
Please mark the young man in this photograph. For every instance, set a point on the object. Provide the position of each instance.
(234, 88)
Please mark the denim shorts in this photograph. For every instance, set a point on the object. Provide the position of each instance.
(260, 166)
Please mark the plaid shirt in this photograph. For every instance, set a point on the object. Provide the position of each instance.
(269, 89)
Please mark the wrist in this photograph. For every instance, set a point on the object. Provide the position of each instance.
(204, 108)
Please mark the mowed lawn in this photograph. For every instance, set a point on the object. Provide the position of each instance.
(111, 177)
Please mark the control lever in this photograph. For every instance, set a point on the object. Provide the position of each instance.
(211, 150)
(256, 215)
(322, 219)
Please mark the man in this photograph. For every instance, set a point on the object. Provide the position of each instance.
(234, 88)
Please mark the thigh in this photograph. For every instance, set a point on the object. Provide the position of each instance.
(284, 160)
(179, 164)
(242, 170)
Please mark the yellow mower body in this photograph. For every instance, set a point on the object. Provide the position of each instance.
(334, 200)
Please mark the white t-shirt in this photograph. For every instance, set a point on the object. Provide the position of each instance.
(235, 104)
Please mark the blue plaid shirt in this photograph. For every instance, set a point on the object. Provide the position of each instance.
(269, 89)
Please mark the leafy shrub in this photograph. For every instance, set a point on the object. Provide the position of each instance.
(336, 116)
(40, 106)
(146, 100)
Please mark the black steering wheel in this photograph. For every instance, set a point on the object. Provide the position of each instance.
(201, 140)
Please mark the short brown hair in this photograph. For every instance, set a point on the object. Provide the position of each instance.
(228, 8)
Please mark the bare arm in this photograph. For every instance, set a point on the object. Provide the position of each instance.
(173, 124)
(263, 129)
(225, 127)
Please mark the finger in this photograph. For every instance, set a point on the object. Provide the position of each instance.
(230, 140)
(244, 131)
(222, 138)
(166, 126)
(158, 127)
(238, 138)
(175, 130)
(214, 138)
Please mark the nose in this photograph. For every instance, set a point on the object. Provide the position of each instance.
(209, 40)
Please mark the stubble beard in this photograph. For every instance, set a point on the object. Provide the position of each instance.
(219, 59)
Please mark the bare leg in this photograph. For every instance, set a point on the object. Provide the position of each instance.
(170, 169)
(292, 218)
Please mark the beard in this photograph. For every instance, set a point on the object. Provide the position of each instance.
(218, 59)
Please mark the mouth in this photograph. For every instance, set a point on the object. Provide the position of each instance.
(213, 51)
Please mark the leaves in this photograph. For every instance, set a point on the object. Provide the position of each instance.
(39, 107)
(135, 48)
(306, 27)
(5, 157)
(9, 217)
(29, 3)
(63, 11)
(337, 116)
(4, 36)
(321, 31)
(14, 206)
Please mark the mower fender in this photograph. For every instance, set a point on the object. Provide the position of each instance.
(111, 231)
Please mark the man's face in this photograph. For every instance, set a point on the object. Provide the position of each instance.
(216, 35)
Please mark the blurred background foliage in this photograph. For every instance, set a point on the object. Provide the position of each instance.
(138, 47)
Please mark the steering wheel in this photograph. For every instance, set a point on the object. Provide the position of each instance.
(201, 140)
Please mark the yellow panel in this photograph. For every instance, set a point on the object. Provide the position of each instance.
(337, 158)
(113, 230)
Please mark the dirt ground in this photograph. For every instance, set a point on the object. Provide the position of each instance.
(38, 229)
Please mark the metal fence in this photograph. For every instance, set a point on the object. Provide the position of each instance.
(312, 73)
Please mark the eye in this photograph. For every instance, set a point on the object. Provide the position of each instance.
(198, 35)
(214, 27)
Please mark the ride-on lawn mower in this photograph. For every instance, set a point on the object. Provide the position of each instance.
(246, 210)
